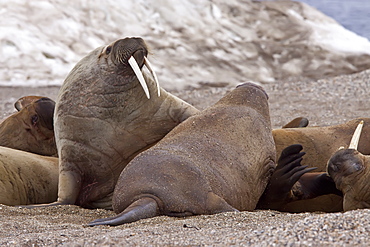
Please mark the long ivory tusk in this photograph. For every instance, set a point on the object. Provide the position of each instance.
(149, 66)
(356, 136)
(139, 75)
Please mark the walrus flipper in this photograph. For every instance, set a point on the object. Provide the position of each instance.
(316, 184)
(299, 122)
(142, 208)
(288, 171)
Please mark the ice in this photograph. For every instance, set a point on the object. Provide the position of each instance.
(190, 40)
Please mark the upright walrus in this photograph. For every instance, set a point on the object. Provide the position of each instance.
(103, 118)
(218, 160)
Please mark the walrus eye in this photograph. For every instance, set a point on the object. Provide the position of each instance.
(108, 50)
(34, 119)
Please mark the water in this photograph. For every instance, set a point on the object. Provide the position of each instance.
(352, 14)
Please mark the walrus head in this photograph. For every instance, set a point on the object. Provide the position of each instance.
(350, 172)
(129, 55)
(31, 129)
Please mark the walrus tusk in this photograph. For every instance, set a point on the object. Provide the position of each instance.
(149, 66)
(139, 75)
(356, 136)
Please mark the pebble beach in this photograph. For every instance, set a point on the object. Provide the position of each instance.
(326, 101)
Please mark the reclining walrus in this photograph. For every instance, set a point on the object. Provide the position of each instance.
(349, 169)
(31, 128)
(319, 143)
(216, 161)
(27, 178)
(107, 112)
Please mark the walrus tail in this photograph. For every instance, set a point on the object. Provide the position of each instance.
(143, 208)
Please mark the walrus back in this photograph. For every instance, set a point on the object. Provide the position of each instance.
(227, 149)
(27, 178)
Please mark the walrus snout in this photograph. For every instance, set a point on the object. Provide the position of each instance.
(133, 52)
(123, 49)
(345, 162)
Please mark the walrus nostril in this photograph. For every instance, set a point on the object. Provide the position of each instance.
(332, 167)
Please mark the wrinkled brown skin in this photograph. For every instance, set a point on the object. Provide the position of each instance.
(103, 119)
(218, 160)
(350, 172)
(30, 129)
(27, 178)
(319, 143)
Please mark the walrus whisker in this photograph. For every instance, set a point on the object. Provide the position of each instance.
(356, 136)
(139, 75)
(149, 66)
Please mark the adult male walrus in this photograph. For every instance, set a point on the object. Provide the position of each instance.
(27, 178)
(349, 169)
(31, 128)
(218, 160)
(103, 118)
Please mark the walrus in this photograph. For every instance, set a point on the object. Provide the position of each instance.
(314, 191)
(108, 110)
(293, 187)
(320, 143)
(216, 161)
(349, 169)
(27, 178)
(31, 128)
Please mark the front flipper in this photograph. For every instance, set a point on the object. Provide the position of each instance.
(68, 190)
(42, 205)
(142, 208)
(288, 171)
(315, 184)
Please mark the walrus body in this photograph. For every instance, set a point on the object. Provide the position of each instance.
(103, 119)
(349, 169)
(30, 129)
(218, 160)
(350, 172)
(320, 143)
(316, 191)
(27, 178)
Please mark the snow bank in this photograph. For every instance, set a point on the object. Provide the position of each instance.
(192, 41)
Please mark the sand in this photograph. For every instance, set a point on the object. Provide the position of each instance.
(323, 102)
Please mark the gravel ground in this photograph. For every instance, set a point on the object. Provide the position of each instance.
(324, 102)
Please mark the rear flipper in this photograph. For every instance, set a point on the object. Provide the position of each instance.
(288, 171)
(143, 208)
(147, 207)
(299, 122)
